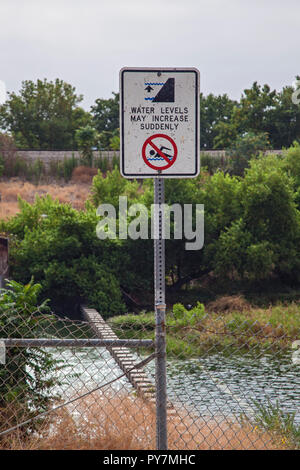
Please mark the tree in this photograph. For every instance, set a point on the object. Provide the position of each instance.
(109, 140)
(284, 120)
(251, 115)
(44, 115)
(86, 137)
(263, 110)
(291, 163)
(114, 142)
(244, 148)
(225, 134)
(213, 110)
(260, 110)
(104, 140)
(263, 240)
(106, 114)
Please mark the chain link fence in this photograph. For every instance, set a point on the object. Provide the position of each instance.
(232, 377)
(232, 381)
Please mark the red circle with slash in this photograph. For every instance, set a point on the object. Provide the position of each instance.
(159, 152)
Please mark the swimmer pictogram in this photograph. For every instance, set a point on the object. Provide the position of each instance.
(159, 152)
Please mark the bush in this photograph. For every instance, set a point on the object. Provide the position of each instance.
(56, 168)
(229, 303)
(38, 170)
(86, 137)
(273, 418)
(108, 190)
(184, 317)
(264, 240)
(63, 169)
(23, 394)
(101, 163)
(115, 162)
(69, 165)
(63, 253)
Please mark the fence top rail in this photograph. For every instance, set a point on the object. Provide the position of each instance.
(54, 342)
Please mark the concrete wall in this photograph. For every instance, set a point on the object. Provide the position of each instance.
(47, 155)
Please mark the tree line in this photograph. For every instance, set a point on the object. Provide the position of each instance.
(46, 115)
(251, 238)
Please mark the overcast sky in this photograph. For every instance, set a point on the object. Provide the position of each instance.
(85, 42)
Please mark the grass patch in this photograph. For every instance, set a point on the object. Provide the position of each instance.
(271, 418)
(195, 332)
(71, 193)
(120, 422)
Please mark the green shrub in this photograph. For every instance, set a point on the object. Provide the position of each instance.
(68, 166)
(86, 137)
(38, 170)
(101, 163)
(55, 168)
(63, 169)
(115, 163)
(65, 256)
(24, 394)
(239, 324)
(108, 189)
(114, 142)
(184, 317)
(272, 418)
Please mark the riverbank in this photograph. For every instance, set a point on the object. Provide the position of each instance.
(128, 423)
(193, 333)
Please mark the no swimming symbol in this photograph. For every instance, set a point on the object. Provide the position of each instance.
(159, 152)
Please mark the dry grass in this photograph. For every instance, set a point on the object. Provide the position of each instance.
(229, 303)
(74, 193)
(127, 423)
(83, 174)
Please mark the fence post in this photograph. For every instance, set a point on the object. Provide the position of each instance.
(160, 312)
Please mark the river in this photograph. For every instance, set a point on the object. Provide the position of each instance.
(215, 385)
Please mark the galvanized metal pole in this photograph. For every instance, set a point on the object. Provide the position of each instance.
(160, 312)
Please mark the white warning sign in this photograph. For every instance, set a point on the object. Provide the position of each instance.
(159, 122)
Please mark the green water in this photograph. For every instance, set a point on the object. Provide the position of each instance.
(214, 385)
(219, 385)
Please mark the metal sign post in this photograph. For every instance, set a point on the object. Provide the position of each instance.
(160, 312)
(160, 138)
